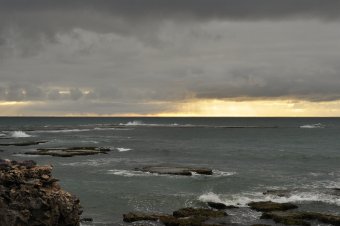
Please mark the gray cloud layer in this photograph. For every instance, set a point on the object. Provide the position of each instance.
(133, 55)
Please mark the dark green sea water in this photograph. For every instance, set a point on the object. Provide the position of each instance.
(248, 156)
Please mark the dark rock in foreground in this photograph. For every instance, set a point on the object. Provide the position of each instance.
(69, 152)
(27, 143)
(184, 171)
(301, 218)
(29, 195)
(220, 206)
(268, 206)
(181, 217)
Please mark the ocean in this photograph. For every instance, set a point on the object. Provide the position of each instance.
(248, 156)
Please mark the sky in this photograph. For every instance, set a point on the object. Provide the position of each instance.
(170, 58)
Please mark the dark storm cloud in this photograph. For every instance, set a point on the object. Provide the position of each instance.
(205, 9)
(126, 56)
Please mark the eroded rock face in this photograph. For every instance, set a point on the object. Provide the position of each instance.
(29, 195)
(184, 171)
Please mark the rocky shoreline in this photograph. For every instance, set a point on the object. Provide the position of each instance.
(29, 195)
(216, 215)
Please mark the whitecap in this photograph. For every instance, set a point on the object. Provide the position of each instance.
(133, 123)
(218, 173)
(312, 126)
(19, 134)
(123, 149)
(128, 173)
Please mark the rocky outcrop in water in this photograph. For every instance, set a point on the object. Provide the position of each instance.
(183, 171)
(268, 206)
(29, 195)
(69, 152)
(181, 217)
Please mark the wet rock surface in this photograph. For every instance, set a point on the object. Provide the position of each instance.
(183, 171)
(69, 152)
(268, 206)
(29, 195)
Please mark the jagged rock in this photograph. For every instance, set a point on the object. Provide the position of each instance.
(184, 171)
(26, 198)
(69, 152)
(301, 218)
(268, 206)
(27, 143)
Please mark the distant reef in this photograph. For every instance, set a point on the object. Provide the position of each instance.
(29, 195)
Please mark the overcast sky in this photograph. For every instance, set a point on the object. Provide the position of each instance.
(62, 57)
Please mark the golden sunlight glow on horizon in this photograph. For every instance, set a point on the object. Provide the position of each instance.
(197, 108)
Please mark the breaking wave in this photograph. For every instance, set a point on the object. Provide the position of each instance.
(19, 134)
(244, 198)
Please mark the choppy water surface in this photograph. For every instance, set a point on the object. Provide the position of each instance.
(248, 156)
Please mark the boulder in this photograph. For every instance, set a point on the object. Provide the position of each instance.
(267, 206)
(29, 195)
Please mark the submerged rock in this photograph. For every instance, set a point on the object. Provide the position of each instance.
(29, 195)
(301, 218)
(280, 193)
(184, 171)
(268, 206)
(139, 216)
(69, 152)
